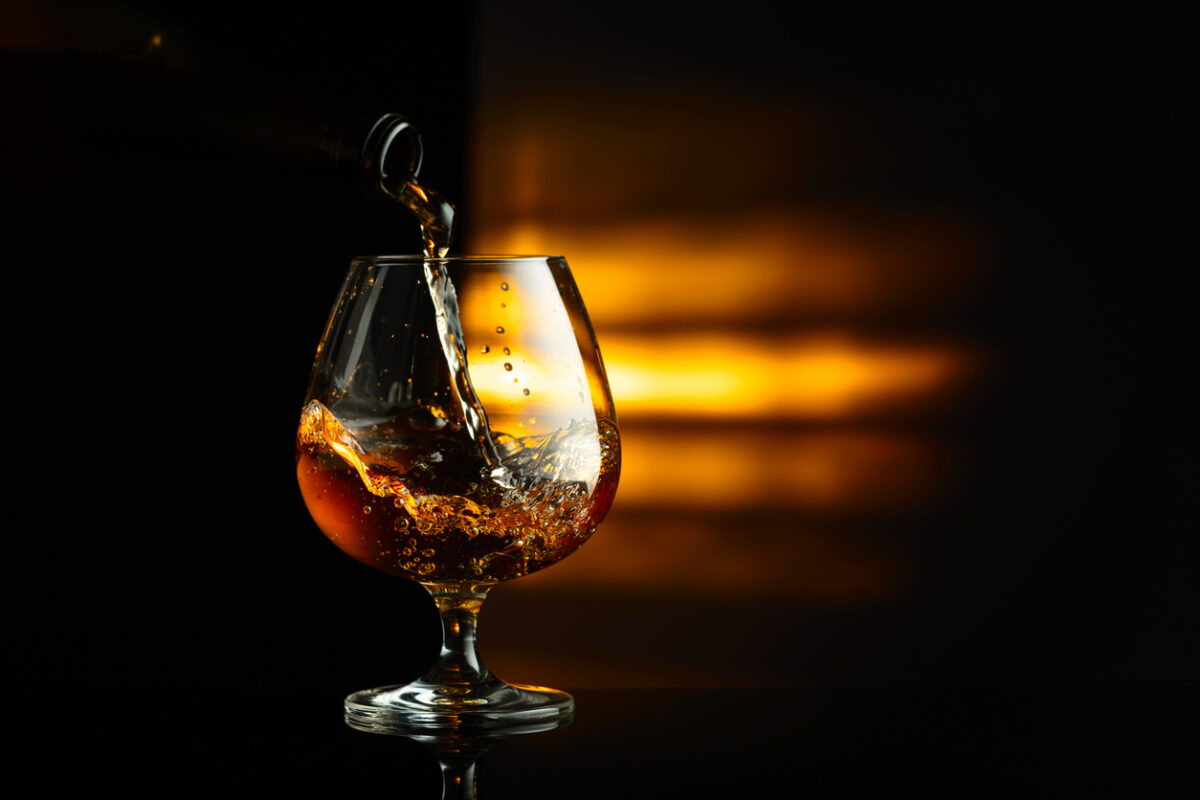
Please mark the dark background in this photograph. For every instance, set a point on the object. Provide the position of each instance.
(167, 288)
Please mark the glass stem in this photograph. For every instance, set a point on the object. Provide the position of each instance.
(458, 780)
(458, 665)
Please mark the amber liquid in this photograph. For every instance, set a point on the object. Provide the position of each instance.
(418, 501)
(436, 496)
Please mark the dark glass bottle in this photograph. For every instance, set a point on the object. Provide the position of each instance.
(133, 95)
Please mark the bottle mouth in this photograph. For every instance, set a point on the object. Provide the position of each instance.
(395, 145)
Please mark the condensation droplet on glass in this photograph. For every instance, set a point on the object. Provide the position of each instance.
(485, 350)
(507, 367)
(499, 329)
(525, 392)
(504, 287)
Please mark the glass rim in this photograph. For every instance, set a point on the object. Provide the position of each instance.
(417, 259)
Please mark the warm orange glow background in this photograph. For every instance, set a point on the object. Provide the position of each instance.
(777, 375)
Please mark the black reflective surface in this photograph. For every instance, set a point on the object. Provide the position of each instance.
(1014, 742)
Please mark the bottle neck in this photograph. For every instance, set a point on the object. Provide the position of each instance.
(109, 115)
(381, 151)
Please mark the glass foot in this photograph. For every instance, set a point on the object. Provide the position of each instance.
(423, 706)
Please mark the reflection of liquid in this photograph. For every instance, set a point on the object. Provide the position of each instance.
(458, 754)
(414, 497)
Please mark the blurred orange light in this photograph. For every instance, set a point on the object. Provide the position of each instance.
(769, 265)
(731, 375)
(844, 472)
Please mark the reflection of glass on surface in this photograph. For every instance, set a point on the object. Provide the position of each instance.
(458, 754)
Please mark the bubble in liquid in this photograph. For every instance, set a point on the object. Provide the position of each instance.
(485, 349)
(499, 329)
(507, 367)
(427, 418)
(507, 352)
(425, 568)
(525, 392)
(504, 287)
(366, 509)
(400, 524)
